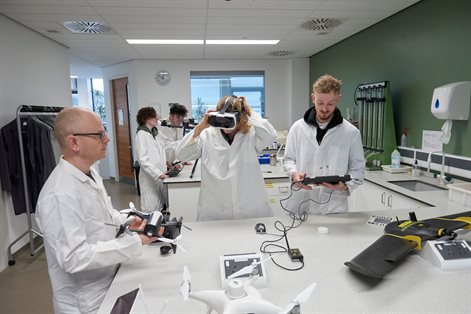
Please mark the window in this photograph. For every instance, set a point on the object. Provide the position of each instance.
(98, 98)
(208, 87)
(73, 87)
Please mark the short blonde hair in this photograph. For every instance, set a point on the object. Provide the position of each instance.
(237, 104)
(326, 84)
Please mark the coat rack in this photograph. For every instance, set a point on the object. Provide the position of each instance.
(28, 111)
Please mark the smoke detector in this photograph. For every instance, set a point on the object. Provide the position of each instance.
(322, 24)
(87, 27)
(281, 53)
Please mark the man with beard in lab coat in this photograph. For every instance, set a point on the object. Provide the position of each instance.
(232, 185)
(75, 215)
(323, 143)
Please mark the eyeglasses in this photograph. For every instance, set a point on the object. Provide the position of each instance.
(101, 135)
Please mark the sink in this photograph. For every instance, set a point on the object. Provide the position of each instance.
(417, 186)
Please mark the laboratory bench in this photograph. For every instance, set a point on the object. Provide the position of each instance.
(183, 190)
(376, 193)
(415, 286)
(379, 192)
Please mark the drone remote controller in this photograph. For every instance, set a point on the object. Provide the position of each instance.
(327, 179)
(231, 263)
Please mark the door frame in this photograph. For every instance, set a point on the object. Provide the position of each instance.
(112, 129)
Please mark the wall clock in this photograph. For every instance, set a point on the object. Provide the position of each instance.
(162, 77)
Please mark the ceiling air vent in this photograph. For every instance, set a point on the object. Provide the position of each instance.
(321, 24)
(83, 27)
(281, 53)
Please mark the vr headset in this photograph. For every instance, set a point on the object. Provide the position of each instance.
(223, 119)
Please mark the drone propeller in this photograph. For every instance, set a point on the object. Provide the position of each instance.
(173, 241)
(131, 209)
(185, 286)
(302, 297)
(248, 269)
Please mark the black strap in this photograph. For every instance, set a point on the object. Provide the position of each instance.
(228, 102)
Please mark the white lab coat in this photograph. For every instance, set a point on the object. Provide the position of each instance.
(171, 137)
(153, 162)
(232, 185)
(82, 252)
(340, 153)
(174, 134)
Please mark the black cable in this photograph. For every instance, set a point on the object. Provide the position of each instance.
(304, 215)
(296, 220)
(286, 239)
(279, 248)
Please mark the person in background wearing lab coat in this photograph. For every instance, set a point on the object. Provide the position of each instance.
(151, 148)
(232, 185)
(173, 127)
(76, 218)
(173, 130)
(323, 143)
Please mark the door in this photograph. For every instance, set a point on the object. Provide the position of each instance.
(122, 131)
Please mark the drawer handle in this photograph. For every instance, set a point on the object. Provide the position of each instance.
(283, 189)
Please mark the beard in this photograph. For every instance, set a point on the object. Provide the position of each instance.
(324, 117)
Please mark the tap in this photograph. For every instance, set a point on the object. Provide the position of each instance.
(279, 158)
(442, 170)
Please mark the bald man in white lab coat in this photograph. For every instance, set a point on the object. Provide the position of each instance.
(74, 213)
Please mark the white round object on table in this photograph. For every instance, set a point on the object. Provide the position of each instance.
(323, 230)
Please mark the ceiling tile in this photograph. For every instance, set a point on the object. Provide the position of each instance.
(196, 19)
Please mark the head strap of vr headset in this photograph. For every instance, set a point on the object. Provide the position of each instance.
(229, 101)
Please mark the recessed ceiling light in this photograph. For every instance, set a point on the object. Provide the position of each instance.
(165, 41)
(241, 42)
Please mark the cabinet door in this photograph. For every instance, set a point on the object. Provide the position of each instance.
(277, 190)
(183, 199)
(371, 196)
(367, 197)
(399, 201)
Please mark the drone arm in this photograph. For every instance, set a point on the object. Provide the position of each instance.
(214, 299)
(251, 305)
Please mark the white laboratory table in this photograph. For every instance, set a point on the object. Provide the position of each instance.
(183, 191)
(415, 286)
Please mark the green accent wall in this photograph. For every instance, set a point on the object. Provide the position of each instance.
(418, 49)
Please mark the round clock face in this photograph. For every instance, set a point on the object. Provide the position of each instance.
(162, 77)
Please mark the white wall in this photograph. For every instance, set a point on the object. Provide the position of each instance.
(83, 93)
(300, 99)
(33, 70)
(286, 87)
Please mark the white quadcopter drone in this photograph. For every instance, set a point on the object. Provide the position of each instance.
(240, 297)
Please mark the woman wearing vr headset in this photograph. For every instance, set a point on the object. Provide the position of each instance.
(228, 141)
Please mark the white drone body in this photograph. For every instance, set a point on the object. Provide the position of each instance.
(240, 297)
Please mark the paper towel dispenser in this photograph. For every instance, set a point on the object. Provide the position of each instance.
(451, 101)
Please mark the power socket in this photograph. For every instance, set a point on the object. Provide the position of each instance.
(453, 250)
(295, 255)
(447, 255)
